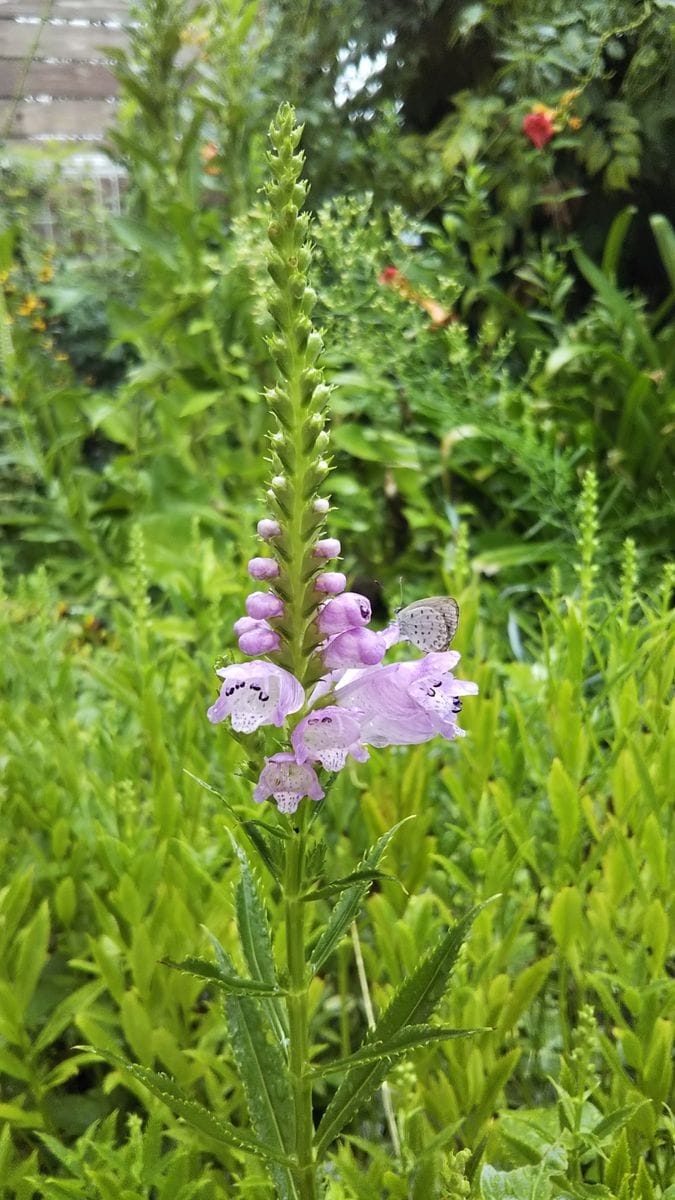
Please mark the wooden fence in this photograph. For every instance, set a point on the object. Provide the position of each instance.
(55, 81)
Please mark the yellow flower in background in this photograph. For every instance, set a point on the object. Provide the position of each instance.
(61, 356)
(39, 324)
(575, 123)
(29, 304)
(46, 274)
(568, 98)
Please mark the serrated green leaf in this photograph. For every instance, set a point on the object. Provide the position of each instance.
(346, 909)
(255, 936)
(201, 968)
(264, 1074)
(198, 1117)
(412, 1004)
(403, 1042)
(336, 886)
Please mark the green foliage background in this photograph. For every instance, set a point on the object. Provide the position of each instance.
(517, 455)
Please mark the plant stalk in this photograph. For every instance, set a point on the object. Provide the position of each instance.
(298, 1010)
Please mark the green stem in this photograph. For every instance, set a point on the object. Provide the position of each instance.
(297, 1006)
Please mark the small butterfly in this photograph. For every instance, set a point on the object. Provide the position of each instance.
(429, 624)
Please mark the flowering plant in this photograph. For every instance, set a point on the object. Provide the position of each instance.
(313, 693)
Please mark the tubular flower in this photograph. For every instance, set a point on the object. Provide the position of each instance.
(331, 582)
(327, 548)
(263, 568)
(259, 638)
(344, 612)
(268, 529)
(287, 781)
(354, 648)
(538, 125)
(262, 605)
(328, 736)
(409, 702)
(255, 694)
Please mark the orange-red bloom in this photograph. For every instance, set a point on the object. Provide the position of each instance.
(538, 126)
(393, 278)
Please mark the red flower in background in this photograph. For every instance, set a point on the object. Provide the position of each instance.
(393, 278)
(538, 126)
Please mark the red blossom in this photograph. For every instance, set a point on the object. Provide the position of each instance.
(538, 127)
(390, 275)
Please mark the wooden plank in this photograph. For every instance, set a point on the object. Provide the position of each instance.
(62, 118)
(69, 10)
(113, 11)
(65, 81)
(80, 43)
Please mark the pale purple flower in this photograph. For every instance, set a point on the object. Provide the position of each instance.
(354, 648)
(261, 605)
(408, 702)
(344, 612)
(268, 528)
(259, 639)
(254, 694)
(327, 548)
(287, 781)
(331, 582)
(328, 736)
(244, 625)
(263, 568)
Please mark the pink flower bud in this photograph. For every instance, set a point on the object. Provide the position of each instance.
(261, 605)
(263, 568)
(260, 640)
(244, 625)
(331, 582)
(344, 612)
(327, 548)
(354, 648)
(268, 529)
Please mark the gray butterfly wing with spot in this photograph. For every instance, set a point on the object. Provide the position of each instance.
(429, 624)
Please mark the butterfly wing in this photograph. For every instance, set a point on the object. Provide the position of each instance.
(430, 624)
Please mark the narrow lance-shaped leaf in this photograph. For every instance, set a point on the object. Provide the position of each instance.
(201, 968)
(255, 936)
(337, 886)
(347, 907)
(402, 1042)
(263, 1071)
(195, 1114)
(412, 1004)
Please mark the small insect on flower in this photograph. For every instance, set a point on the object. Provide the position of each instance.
(429, 624)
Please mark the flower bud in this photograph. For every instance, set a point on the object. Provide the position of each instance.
(245, 624)
(354, 648)
(347, 611)
(268, 529)
(321, 505)
(260, 640)
(262, 605)
(331, 582)
(263, 568)
(327, 548)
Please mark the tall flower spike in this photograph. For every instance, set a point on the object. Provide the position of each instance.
(297, 402)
